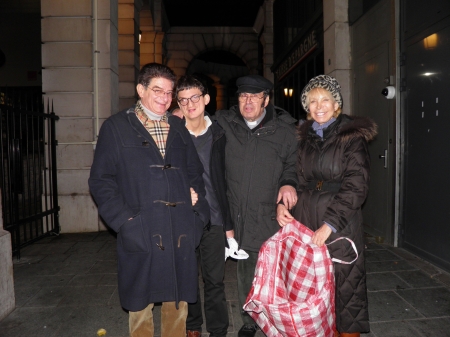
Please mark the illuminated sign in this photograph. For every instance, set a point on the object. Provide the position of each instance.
(308, 44)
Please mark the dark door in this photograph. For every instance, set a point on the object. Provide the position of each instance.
(373, 70)
(426, 113)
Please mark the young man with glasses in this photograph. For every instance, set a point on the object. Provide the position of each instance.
(209, 141)
(145, 167)
(260, 161)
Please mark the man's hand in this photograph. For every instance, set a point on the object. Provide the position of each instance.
(289, 196)
(283, 215)
(194, 196)
(321, 235)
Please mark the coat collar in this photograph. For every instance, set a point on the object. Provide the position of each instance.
(345, 127)
(274, 114)
(176, 128)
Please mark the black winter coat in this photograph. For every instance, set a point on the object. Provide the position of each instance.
(131, 180)
(341, 161)
(217, 171)
(257, 163)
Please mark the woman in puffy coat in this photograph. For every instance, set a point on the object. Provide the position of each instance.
(333, 172)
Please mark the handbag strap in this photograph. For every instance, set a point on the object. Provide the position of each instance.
(354, 248)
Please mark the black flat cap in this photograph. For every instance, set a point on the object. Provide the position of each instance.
(253, 84)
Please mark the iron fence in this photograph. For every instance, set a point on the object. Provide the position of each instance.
(28, 151)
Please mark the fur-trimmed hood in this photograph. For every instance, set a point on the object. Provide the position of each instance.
(345, 128)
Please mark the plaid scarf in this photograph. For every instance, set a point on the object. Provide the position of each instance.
(157, 129)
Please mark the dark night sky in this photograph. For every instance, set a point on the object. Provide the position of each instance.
(233, 13)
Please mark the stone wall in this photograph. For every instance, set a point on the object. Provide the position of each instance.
(7, 298)
(80, 76)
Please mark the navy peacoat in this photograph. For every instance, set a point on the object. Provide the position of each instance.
(145, 198)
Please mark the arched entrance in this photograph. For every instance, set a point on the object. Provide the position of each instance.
(219, 69)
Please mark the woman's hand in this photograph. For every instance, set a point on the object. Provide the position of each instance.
(194, 196)
(283, 215)
(321, 235)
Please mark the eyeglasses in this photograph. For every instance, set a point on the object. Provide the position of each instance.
(185, 101)
(161, 93)
(251, 97)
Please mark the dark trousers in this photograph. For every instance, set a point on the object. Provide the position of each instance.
(245, 275)
(211, 256)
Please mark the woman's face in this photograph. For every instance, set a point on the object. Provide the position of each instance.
(321, 105)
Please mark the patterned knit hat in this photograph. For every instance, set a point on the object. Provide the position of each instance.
(325, 82)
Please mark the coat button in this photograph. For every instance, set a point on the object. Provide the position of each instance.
(273, 218)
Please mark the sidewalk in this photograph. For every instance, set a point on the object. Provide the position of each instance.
(67, 286)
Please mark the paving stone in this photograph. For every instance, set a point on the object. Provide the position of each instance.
(394, 329)
(36, 322)
(55, 258)
(376, 267)
(108, 280)
(47, 297)
(108, 235)
(87, 280)
(79, 267)
(46, 249)
(385, 281)
(23, 294)
(372, 245)
(418, 279)
(86, 322)
(432, 327)
(388, 306)
(114, 299)
(430, 302)
(42, 281)
(86, 247)
(380, 255)
(75, 237)
(104, 267)
(87, 296)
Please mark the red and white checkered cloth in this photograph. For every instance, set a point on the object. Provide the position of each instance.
(293, 289)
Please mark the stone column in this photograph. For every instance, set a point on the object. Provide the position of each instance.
(152, 37)
(129, 64)
(337, 47)
(267, 40)
(80, 77)
(7, 298)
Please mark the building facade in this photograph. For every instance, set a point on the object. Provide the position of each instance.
(86, 55)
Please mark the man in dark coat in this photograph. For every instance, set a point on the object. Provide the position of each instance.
(260, 159)
(145, 167)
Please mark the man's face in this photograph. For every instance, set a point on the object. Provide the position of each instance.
(157, 96)
(252, 106)
(192, 103)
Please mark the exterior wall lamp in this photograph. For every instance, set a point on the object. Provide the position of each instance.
(288, 92)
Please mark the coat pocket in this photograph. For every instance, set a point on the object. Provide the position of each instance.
(132, 237)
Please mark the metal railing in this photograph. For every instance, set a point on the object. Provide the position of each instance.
(28, 152)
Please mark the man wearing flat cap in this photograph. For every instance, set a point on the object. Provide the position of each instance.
(260, 160)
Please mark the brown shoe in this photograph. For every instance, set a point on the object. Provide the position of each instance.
(193, 333)
(353, 334)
